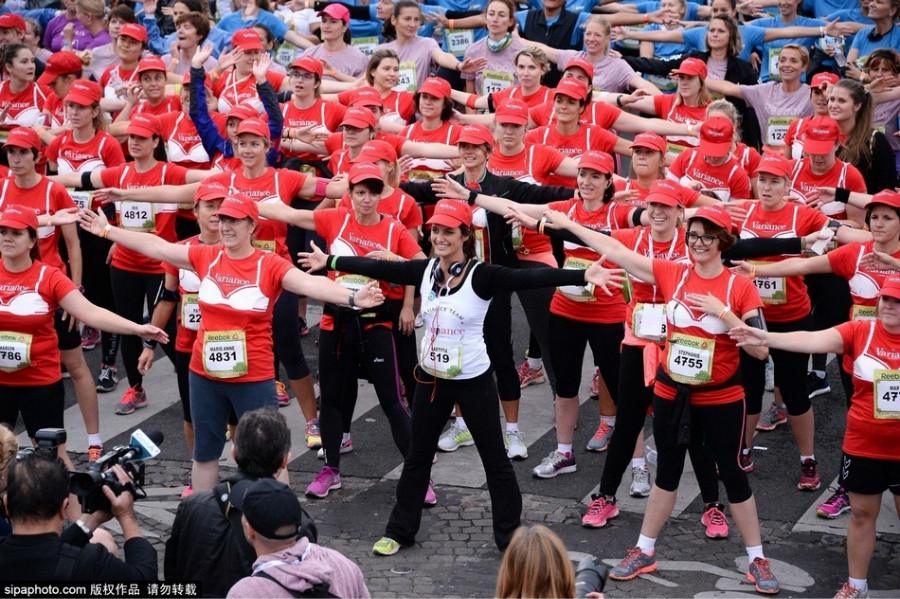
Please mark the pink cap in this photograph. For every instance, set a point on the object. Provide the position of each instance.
(336, 11)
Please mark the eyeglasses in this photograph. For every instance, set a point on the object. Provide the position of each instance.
(705, 240)
(302, 74)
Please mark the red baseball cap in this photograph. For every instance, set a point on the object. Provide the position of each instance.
(598, 161)
(60, 63)
(308, 64)
(821, 135)
(435, 86)
(451, 213)
(512, 113)
(254, 126)
(144, 125)
(477, 135)
(360, 118)
(890, 287)
(243, 111)
(376, 150)
(823, 80)
(885, 197)
(367, 96)
(714, 214)
(151, 63)
(363, 171)
(775, 165)
(210, 190)
(247, 40)
(716, 136)
(336, 11)
(572, 88)
(693, 67)
(583, 64)
(134, 31)
(651, 141)
(84, 92)
(18, 217)
(665, 192)
(23, 137)
(239, 206)
(12, 21)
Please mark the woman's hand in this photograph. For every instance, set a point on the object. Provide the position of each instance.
(744, 269)
(314, 260)
(809, 240)
(627, 196)
(633, 97)
(706, 303)
(514, 215)
(67, 216)
(108, 195)
(880, 261)
(472, 65)
(134, 93)
(151, 332)
(737, 212)
(369, 295)
(382, 253)
(407, 320)
(226, 59)
(448, 188)
(745, 336)
(556, 219)
(604, 278)
(93, 222)
(145, 360)
(202, 55)
(404, 165)
(261, 67)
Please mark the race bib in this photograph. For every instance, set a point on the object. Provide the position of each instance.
(286, 53)
(665, 84)
(859, 312)
(266, 245)
(480, 245)
(495, 81)
(578, 293)
(407, 78)
(353, 282)
(15, 351)
(691, 359)
(190, 311)
(774, 57)
(459, 40)
(772, 290)
(777, 130)
(648, 321)
(82, 199)
(137, 216)
(441, 358)
(225, 354)
(366, 45)
(517, 239)
(886, 384)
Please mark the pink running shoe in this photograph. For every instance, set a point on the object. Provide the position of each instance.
(834, 506)
(529, 376)
(715, 522)
(599, 512)
(328, 479)
(430, 495)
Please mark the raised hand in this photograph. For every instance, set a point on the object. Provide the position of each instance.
(472, 65)
(261, 67)
(153, 333)
(369, 296)
(314, 260)
(66, 216)
(202, 55)
(556, 219)
(604, 278)
(93, 222)
(514, 215)
(448, 188)
(227, 59)
(745, 336)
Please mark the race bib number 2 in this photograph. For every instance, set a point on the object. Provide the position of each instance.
(225, 354)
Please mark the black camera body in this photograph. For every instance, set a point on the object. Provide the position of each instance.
(48, 440)
(590, 577)
(88, 486)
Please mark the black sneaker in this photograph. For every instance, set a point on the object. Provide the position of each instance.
(817, 385)
(108, 379)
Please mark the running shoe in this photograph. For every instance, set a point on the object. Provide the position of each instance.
(600, 441)
(809, 475)
(90, 337)
(817, 385)
(131, 401)
(760, 574)
(640, 481)
(595, 384)
(715, 522)
(834, 506)
(313, 434)
(346, 447)
(636, 562)
(328, 479)
(95, 452)
(530, 376)
(281, 394)
(848, 591)
(108, 379)
(600, 511)
(455, 437)
(555, 463)
(745, 461)
(302, 326)
(515, 445)
(773, 417)
(187, 491)
(430, 495)
(386, 546)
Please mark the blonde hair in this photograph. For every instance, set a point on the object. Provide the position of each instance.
(599, 20)
(728, 109)
(804, 53)
(536, 564)
(95, 8)
(8, 448)
(535, 54)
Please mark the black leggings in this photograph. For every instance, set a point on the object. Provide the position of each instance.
(753, 375)
(131, 290)
(286, 337)
(498, 339)
(340, 354)
(568, 339)
(716, 430)
(536, 304)
(634, 400)
(432, 404)
(790, 368)
(830, 296)
(97, 286)
(182, 368)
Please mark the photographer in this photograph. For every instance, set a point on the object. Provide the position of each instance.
(36, 499)
(8, 448)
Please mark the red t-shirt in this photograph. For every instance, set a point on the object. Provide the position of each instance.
(327, 114)
(47, 197)
(274, 185)
(188, 318)
(600, 114)
(340, 156)
(56, 109)
(576, 302)
(666, 109)
(748, 157)
(232, 92)
(183, 144)
(70, 156)
(168, 104)
(426, 168)
(114, 77)
(681, 321)
(401, 103)
(146, 217)
(236, 299)
(397, 205)
(28, 345)
(865, 283)
(873, 429)
(689, 196)
(542, 95)
(842, 174)
(580, 142)
(22, 109)
(786, 298)
(728, 181)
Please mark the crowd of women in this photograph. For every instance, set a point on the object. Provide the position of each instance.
(713, 203)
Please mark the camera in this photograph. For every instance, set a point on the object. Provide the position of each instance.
(590, 577)
(48, 439)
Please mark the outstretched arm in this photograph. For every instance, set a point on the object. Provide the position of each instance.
(277, 211)
(149, 245)
(828, 341)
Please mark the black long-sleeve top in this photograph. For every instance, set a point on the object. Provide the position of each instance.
(499, 231)
(879, 171)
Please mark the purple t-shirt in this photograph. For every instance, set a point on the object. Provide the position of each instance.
(610, 74)
(500, 71)
(415, 60)
(349, 61)
(775, 109)
(716, 68)
(83, 40)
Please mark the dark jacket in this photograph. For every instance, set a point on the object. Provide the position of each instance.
(38, 558)
(879, 171)
(558, 35)
(736, 71)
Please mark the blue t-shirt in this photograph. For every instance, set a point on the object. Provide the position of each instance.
(695, 39)
(665, 50)
(236, 20)
(577, 33)
(653, 6)
(866, 46)
(770, 51)
(822, 8)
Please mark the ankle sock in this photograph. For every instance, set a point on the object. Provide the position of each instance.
(512, 427)
(565, 448)
(755, 552)
(647, 545)
(638, 463)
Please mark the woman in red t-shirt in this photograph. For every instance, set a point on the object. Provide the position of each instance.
(232, 364)
(148, 96)
(30, 293)
(698, 389)
(383, 74)
(436, 109)
(871, 462)
(122, 74)
(648, 165)
(21, 98)
(349, 337)
(712, 167)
